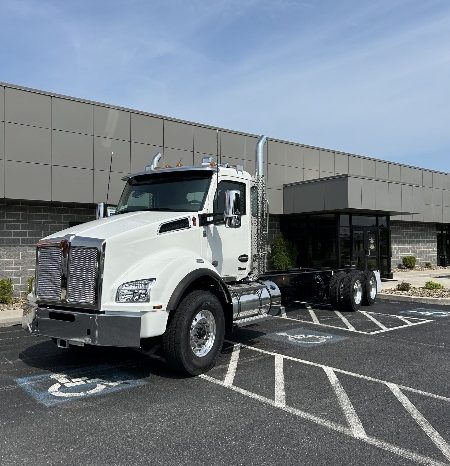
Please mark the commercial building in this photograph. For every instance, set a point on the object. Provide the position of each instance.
(55, 155)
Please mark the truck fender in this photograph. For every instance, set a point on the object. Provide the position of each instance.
(189, 281)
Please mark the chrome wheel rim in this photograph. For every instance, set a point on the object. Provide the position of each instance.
(373, 288)
(357, 292)
(202, 333)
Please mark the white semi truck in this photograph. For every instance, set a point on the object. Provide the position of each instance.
(182, 259)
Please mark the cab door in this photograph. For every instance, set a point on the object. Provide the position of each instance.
(228, 249)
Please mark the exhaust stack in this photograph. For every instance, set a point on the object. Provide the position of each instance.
(260, 223)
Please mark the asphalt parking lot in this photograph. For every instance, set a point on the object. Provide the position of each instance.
(311, 386)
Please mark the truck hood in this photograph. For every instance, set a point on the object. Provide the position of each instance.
(116, 225)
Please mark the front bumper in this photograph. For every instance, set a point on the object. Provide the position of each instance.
(80, 328)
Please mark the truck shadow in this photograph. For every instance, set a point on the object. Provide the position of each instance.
(97, 361)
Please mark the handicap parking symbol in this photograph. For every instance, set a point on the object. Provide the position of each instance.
(52, 389)
(305, 337)
(424, 312)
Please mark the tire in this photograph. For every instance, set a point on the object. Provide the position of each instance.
(198, 312)
(335, 293)
(352, 291)
(370, 289)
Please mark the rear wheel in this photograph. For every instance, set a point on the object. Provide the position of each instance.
(352, 291)
(336, 289)
(370, 289)
(194, 334)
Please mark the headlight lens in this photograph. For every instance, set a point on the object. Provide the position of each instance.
(137, 291)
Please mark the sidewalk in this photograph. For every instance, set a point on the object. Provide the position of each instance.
(418, 278)
(10, 317)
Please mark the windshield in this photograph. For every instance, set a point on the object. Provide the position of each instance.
(181, 192)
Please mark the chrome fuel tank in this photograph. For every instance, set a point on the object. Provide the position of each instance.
(254, 298)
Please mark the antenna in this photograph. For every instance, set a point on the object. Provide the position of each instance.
(109, 178)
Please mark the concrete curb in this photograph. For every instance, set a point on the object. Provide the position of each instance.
(10, 317)
(414, 299)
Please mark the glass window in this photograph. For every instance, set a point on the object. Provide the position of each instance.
(364, 220)
(219, 200)
(181, 192)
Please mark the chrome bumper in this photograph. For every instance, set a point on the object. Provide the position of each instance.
(80, 328)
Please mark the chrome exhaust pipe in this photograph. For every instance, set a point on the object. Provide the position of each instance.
(260, 156)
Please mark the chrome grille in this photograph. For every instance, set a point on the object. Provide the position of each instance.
(82, 276)
(49, 273)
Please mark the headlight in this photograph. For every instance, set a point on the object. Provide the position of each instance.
(135, 292)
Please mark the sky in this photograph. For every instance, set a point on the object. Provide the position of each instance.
(370, 77)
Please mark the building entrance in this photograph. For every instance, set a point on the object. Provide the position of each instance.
(443, 245)
(365, 248)
(340, 240)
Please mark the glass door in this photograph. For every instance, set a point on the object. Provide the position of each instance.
(365, 248)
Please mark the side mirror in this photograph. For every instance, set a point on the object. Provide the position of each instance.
(104, 210)
(232, 214)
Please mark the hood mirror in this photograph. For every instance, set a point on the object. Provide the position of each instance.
(232, 214)
(104, 210)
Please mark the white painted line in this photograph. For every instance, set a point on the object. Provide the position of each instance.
(375, 321)
(280, 395)
(346, 405)
(312, 314)
(404, 319)
(231, 372)
(342, 371)
(399, 327)
(423, 423)
(346, 322)
(374, 332)
(404, 453)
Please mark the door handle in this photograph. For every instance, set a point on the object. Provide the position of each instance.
(243, 258)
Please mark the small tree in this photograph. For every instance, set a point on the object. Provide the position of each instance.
(284, 253)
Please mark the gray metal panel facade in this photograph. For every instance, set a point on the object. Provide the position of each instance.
(58, 148)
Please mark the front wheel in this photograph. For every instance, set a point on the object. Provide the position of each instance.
(194, 334)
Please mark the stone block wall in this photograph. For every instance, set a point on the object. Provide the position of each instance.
(413, 239)
(23, 224)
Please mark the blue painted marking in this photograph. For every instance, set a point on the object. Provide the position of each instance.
(305, 337)
(424, 312)
(52, 389)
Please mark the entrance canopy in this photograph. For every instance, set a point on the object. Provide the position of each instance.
(348, 193)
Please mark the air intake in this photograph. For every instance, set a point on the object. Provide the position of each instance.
(180, 224)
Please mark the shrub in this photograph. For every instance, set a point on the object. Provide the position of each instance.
(30, 281)
(431, 285)
(404, 286)
(284, 253)
(6, 291)
(428, 265)
(409, 262)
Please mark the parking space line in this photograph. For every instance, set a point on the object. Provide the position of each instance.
(421, 421)
(408, 322)
(232, 366)
(346, 405)
(356, 429)
(312, 314)
(342, 371)
(346, 322)
(375, 321)
(280, 395)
